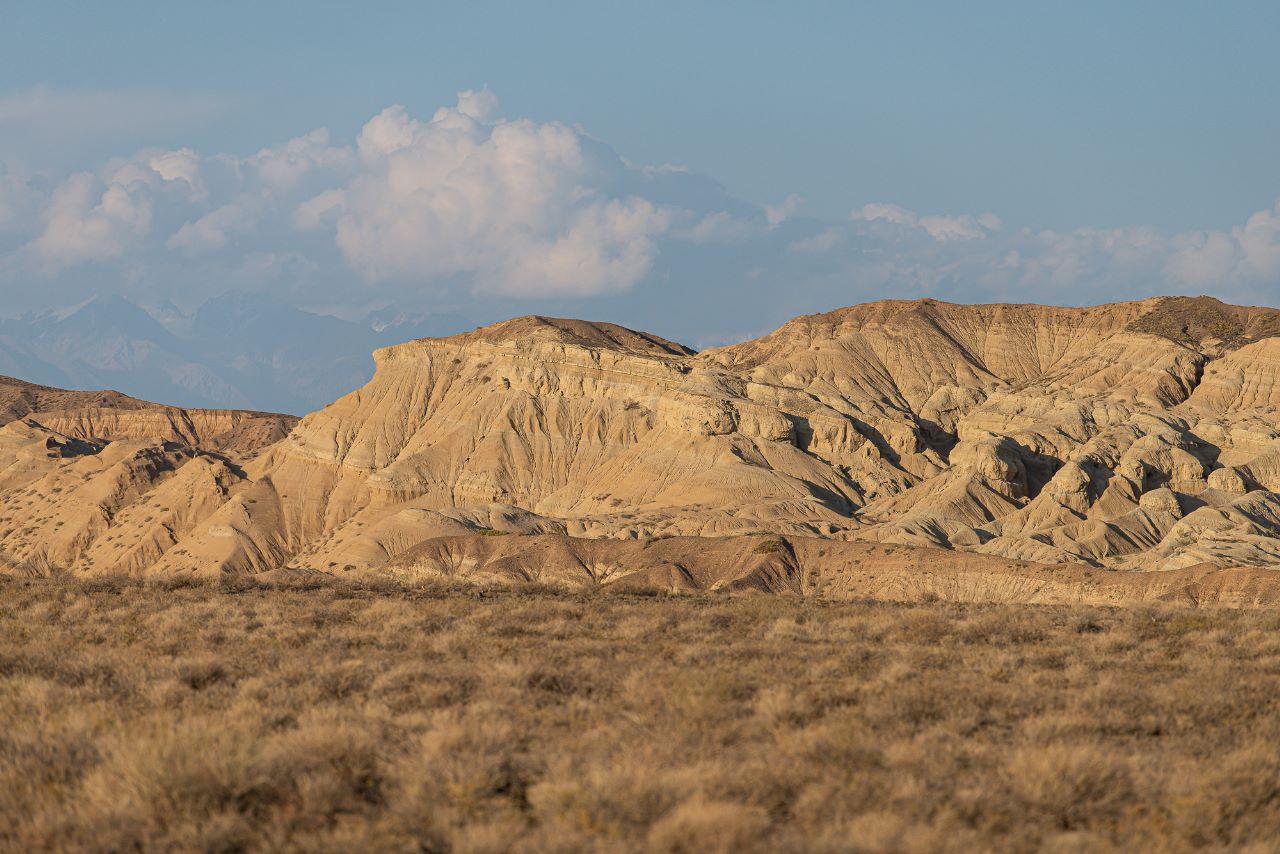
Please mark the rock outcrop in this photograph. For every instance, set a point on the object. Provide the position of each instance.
(98, 481)
(110, 416)
(1136, 436)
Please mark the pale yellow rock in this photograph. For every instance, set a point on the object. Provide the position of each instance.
(1055, 435)
(1227, 480)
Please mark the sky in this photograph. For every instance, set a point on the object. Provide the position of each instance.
(702, 170)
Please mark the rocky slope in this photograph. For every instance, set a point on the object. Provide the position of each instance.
(1128, 436)
(101, 481)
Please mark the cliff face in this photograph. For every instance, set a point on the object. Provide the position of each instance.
(97, 481)
(1137, 435)
(111, 416)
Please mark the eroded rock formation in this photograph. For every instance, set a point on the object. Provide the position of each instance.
(1130, 436)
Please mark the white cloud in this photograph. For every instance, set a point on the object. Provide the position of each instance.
(285, 165)
(952, 227)
(480, 105)
(1259, 242)
(943, 228)
(720, 227)
(388, 131)
(16, 199)
(467, 205)
(889, 213)
(87, 219)
(975, 258)
(823, 241)
(516, 205)
(181, 165)
(319, 211)
(607, 248)
(1249, 253)
(777, 214)
(211, 231)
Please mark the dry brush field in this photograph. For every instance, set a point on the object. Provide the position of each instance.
(335, 716)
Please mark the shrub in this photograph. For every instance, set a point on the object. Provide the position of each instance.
(315, 713)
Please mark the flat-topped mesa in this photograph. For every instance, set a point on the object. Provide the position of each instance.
(492, 370)
(583, 333)
(112, 416)
(549, 342)
(549, 415)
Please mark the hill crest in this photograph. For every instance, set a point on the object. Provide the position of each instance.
(1134, 435)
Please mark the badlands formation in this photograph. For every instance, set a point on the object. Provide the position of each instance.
(1016, 445)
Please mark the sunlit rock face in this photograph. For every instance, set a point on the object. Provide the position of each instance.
(1135, 436)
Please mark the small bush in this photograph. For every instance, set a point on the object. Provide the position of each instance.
(319, 713)
(199, 674)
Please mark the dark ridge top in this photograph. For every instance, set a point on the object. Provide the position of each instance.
(585, 333)
(1193, 320)
(19, 398)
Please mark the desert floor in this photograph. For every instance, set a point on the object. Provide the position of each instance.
(326, 715)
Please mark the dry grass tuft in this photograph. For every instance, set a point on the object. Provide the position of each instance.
(314, 714)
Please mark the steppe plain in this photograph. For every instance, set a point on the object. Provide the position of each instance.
(904, 576)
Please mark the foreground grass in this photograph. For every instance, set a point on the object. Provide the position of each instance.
(340, 717)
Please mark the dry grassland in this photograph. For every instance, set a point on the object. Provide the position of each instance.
(340, 717)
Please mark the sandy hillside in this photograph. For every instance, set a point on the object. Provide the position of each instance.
(102, 481)
(1135, 436)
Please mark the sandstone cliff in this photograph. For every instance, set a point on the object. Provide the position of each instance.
(1137, 436)
(98, 481)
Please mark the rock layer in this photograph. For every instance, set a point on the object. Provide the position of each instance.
(1135, 436)
(101, 482)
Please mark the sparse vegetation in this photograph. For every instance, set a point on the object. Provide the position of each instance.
(1190, 320)
(331, 715)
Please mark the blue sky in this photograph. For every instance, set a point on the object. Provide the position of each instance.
(1154, 121)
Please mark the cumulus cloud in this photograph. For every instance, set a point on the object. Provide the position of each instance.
(720, 227)
(962, 227)
(16, 198)
(777, 214)
(88, 219)
(886, 212)
(515, 204)
(211, 231)
(1249, 252)
(823, 241)
(469, 205)
(480, 105)
(387, 132)
(510, 207)
(181, 165)
(284, 166)
(607, 247)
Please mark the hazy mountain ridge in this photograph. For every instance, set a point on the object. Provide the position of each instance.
(1131, 436)
(236, 350)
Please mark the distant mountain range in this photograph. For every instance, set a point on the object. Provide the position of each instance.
(245, 351)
